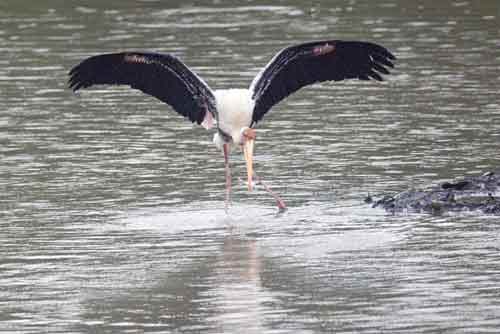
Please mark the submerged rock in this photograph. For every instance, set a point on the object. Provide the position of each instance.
(475, 193)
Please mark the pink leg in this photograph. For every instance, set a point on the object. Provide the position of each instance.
(279, 201)
(228, 175)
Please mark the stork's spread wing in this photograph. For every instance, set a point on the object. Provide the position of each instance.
(305, 64)
(160, 75)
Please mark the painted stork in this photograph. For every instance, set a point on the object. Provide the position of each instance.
(236, 111)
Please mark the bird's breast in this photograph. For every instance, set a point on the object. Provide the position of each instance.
(234, 110)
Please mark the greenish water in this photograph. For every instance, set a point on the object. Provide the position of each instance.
(112, 206)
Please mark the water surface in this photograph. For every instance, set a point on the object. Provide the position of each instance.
(112, 206)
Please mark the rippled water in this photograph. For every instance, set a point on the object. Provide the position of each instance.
(112, 206)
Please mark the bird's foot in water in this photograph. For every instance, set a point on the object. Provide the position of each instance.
(281, 205)
(279, 202)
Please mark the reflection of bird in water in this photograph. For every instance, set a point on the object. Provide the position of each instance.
(236, 111)
(239, 297)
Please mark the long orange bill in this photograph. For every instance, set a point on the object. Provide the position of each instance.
(248, 153)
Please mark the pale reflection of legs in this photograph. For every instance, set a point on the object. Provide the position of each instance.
(241, 298)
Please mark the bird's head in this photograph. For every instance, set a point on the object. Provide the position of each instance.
(247, 140)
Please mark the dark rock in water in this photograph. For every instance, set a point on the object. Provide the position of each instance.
(475, 193)
(368, 199)
(457, 186)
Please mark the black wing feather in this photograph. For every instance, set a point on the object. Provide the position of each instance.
(305, 64)
(160, 75)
